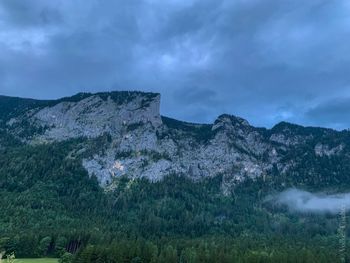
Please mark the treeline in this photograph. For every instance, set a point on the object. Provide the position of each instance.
(214, 250)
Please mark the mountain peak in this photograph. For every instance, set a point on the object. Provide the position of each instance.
(230, 120)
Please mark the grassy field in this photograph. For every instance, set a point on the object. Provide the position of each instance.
(36, 260)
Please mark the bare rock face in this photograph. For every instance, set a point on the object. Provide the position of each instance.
(144, 144)
(94, 116)
(233, 148)
(325, 150)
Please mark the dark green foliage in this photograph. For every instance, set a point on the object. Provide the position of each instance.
(7, 140)
(202, 133)
(134, 126)
(12, 107)
(66, 258)
(205, 250)
(120, 97)
(44, 245)
(294, 129)
(50, 205)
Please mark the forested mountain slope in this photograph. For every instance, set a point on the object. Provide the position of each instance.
(108, 170)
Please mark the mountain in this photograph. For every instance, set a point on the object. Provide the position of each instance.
(142, 143)
(106, 177)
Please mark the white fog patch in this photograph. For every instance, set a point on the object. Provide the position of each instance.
(303, 201)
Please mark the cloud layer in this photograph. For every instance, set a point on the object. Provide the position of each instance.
(265, 60)
(306, 202)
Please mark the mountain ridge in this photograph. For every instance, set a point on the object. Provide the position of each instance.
(145, 144)
(106, 93)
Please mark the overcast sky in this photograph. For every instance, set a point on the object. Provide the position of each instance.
(264, 60)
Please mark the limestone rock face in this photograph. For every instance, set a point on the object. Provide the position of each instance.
(94, 116)
(326, 150)
(144, 144)
(233, 148)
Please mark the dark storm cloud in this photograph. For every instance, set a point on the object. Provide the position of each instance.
(265, 60)
(334, 112)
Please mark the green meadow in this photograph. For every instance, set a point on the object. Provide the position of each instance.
(36, 260)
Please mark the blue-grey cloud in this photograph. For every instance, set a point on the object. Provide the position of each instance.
(302, 201)
(265, 60)
(334, 112)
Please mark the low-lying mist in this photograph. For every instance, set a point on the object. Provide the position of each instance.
(302, 201)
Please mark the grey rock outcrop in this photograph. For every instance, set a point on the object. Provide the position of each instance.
(93, 116)
(144, 144)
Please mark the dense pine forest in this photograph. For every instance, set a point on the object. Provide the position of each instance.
(51, 207)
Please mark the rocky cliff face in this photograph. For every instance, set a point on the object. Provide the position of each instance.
(92, 116)
(144, 144)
